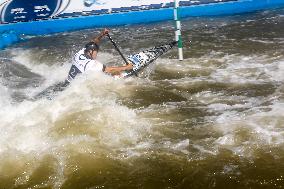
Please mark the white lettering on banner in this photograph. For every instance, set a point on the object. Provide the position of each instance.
(43, 8)
(90, 5)
(19, 17)
(43, 15)
(18, 11)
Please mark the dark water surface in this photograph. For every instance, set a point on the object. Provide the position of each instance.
(214, 120)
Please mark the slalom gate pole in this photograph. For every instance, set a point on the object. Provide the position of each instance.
(178, 29)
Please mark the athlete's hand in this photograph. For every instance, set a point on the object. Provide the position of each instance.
(129, 66)
(105, 32)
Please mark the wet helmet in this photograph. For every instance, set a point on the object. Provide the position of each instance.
(91, 46)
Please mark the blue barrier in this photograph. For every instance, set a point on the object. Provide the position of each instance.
(8, 38)
(128, 15)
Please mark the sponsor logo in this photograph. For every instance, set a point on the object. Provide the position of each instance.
(29, 10)
(89, 3)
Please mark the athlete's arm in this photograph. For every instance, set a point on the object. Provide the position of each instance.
(98, 38)
(117, 70)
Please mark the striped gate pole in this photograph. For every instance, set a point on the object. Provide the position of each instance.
(178, 29)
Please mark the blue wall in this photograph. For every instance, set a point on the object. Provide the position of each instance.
(9, 33)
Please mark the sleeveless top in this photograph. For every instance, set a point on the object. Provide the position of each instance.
(82, 63)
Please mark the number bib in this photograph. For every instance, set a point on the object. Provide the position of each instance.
(73, 72)
(81, 64)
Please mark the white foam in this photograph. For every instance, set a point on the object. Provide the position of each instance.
(4, 97)
(276, 72)
(202, 64)
(242, 102)
(26, 126)
(263, 128)
(203, 150)
(182, 146)
(242, 69)
(228, 139)
(268, 41)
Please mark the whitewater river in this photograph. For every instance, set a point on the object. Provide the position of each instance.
(214, 120)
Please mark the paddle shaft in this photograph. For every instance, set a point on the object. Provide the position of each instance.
(116, 47)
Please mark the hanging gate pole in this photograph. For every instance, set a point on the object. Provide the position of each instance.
(178, 29)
